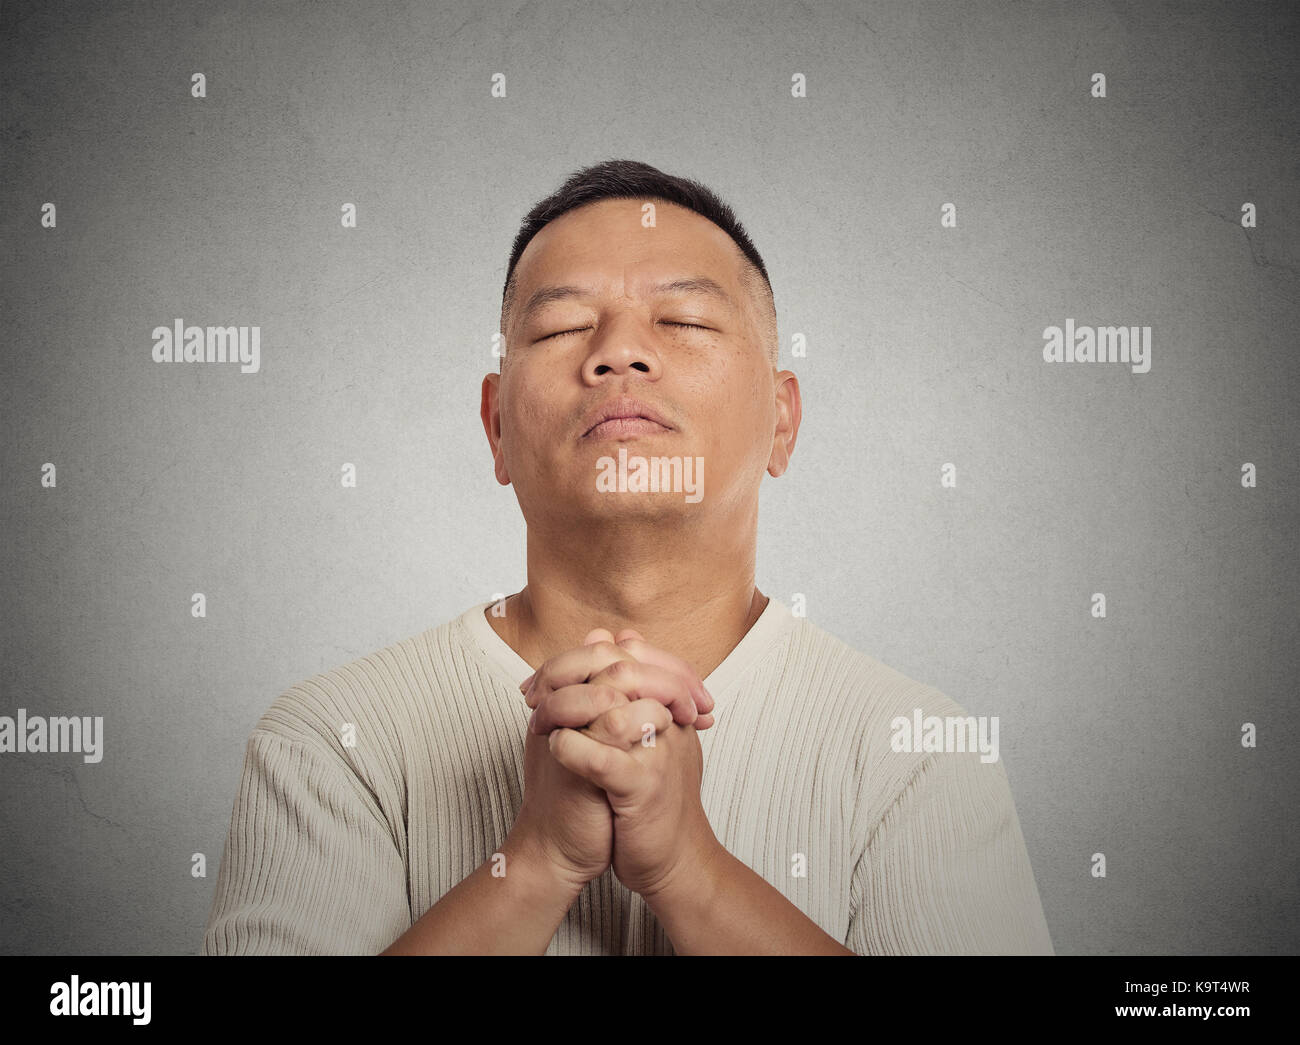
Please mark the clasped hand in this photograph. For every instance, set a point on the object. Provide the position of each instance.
(620, 783)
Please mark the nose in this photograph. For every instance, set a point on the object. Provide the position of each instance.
(620, 348)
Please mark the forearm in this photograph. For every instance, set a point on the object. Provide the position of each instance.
(516, 913)
(720, 906)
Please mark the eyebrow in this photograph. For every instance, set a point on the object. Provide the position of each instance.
(687, 285)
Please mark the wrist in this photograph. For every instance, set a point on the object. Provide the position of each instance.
(690, 883)
(544, 875)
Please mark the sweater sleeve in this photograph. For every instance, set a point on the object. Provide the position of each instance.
(309, 865)
(946, 870)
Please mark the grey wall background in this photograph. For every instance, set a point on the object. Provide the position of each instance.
(1119, 735)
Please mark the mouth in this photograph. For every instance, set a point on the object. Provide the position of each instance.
(624, 418)
(624, 428)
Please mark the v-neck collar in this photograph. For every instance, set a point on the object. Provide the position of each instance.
(775, 620)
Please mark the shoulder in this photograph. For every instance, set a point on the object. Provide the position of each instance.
(364, 707)
(899, 724)
(857, 683)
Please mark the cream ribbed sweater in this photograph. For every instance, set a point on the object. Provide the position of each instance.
(337, 847)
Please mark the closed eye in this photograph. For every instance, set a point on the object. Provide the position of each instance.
(562, 333)
(579, 330)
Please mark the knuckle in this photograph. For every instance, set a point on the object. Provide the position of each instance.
(600, 758)
(618, 669)
(616, 720)
(604, 697)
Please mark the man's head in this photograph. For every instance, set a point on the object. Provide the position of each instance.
(629, 179)
(615, 297)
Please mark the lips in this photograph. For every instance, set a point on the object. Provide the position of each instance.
(623, 416)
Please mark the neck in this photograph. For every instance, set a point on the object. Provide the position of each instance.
(689, 593)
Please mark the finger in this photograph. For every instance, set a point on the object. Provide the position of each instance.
(593, 636)
(627, 725)
(617, 772)
(574, 706)
(705, 720)
(647, 654)
(649, 680)
(572, 667)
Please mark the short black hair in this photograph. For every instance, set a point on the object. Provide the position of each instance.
(631, 179)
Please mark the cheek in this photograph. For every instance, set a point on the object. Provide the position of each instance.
(745, 436)
(519, 405)
(738, 399)
(530, 423)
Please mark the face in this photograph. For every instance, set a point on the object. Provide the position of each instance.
(607, 309)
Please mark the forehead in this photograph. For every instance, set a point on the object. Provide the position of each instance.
(606, 241)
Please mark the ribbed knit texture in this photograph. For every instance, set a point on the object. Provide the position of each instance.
(337, 849)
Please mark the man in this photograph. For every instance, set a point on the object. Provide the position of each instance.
(638, 752)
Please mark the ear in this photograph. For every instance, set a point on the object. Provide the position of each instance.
(490, 412)
(789, 412)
